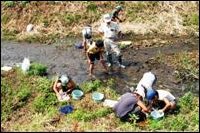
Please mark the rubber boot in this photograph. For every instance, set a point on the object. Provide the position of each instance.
(120, 62)
(109, 59)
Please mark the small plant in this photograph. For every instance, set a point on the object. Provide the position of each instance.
(92, 7)
(24, 93)
(37, 69)
(83, 115)
(192, 19)
(9, 3)
(91, 86)
(111, 83)
(133, 118)
(43, 102)
(186, 101)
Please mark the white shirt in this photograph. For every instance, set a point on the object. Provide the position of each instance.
(147, 81)
(165, 94)
(110, 31)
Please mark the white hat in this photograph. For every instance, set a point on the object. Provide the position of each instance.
(107, 18)
(64, 80)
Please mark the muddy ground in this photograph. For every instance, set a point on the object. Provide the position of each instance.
(137, 58)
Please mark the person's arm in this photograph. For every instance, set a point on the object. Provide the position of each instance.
(54, 87)
(143, 107)
(71, 85)
(167, 105)
(118, 19)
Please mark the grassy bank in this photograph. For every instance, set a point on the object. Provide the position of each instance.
(29, 104)
(63, 19)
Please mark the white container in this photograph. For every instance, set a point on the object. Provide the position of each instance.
(25, 65)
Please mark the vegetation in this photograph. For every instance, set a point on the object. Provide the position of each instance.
(33, 96)
(37, 69)
(62, 19)
(185, 63)
(28, 102)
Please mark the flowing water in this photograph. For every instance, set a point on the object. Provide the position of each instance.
(61, 59)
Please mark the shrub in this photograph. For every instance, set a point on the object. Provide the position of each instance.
(37, 69)
(44, 85)
(92, 7)
(186, 102)
(91, 86)
(9, 3)
(88, 116)
(24, 93)
(44, 102)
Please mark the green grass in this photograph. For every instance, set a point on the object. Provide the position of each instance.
(9, 3)
(89, 13)
(34, 94)
(191, 19)
(9, 35)
(91, 86)
(37, 69)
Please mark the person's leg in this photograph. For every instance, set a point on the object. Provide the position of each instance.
(91, 69)
(97, 56)
(109, 59)
(118, 54)
(91, 63)
(107, 45)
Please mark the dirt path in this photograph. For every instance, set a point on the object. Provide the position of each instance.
(72, 61)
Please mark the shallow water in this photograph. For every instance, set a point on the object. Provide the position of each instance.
(63, 59)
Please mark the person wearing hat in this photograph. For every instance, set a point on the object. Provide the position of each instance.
(95, 52)
(115, 14)
(87, 37)
(131, 103)
(146, 83)
(110, 31)
(63, 86)
(163, 96)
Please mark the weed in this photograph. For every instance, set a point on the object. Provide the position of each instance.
(70, 18)
(5, 18)
(43, 102)
(24, 93)
(8, 35)
(82, 115)
(9, 3)
(37, 69)
(91, 7)
(191, 19)
(91, 86)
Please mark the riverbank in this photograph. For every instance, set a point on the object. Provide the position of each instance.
(164, 40)
(61, 20)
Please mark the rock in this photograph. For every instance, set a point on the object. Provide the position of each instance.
(6, 68)
(29, 28)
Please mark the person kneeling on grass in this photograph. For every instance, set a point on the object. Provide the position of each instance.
(163, 96)
(95, 51)
(131, 103)
(63, 86)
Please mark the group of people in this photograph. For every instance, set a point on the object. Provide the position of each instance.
(111, 33)
(143, 99)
